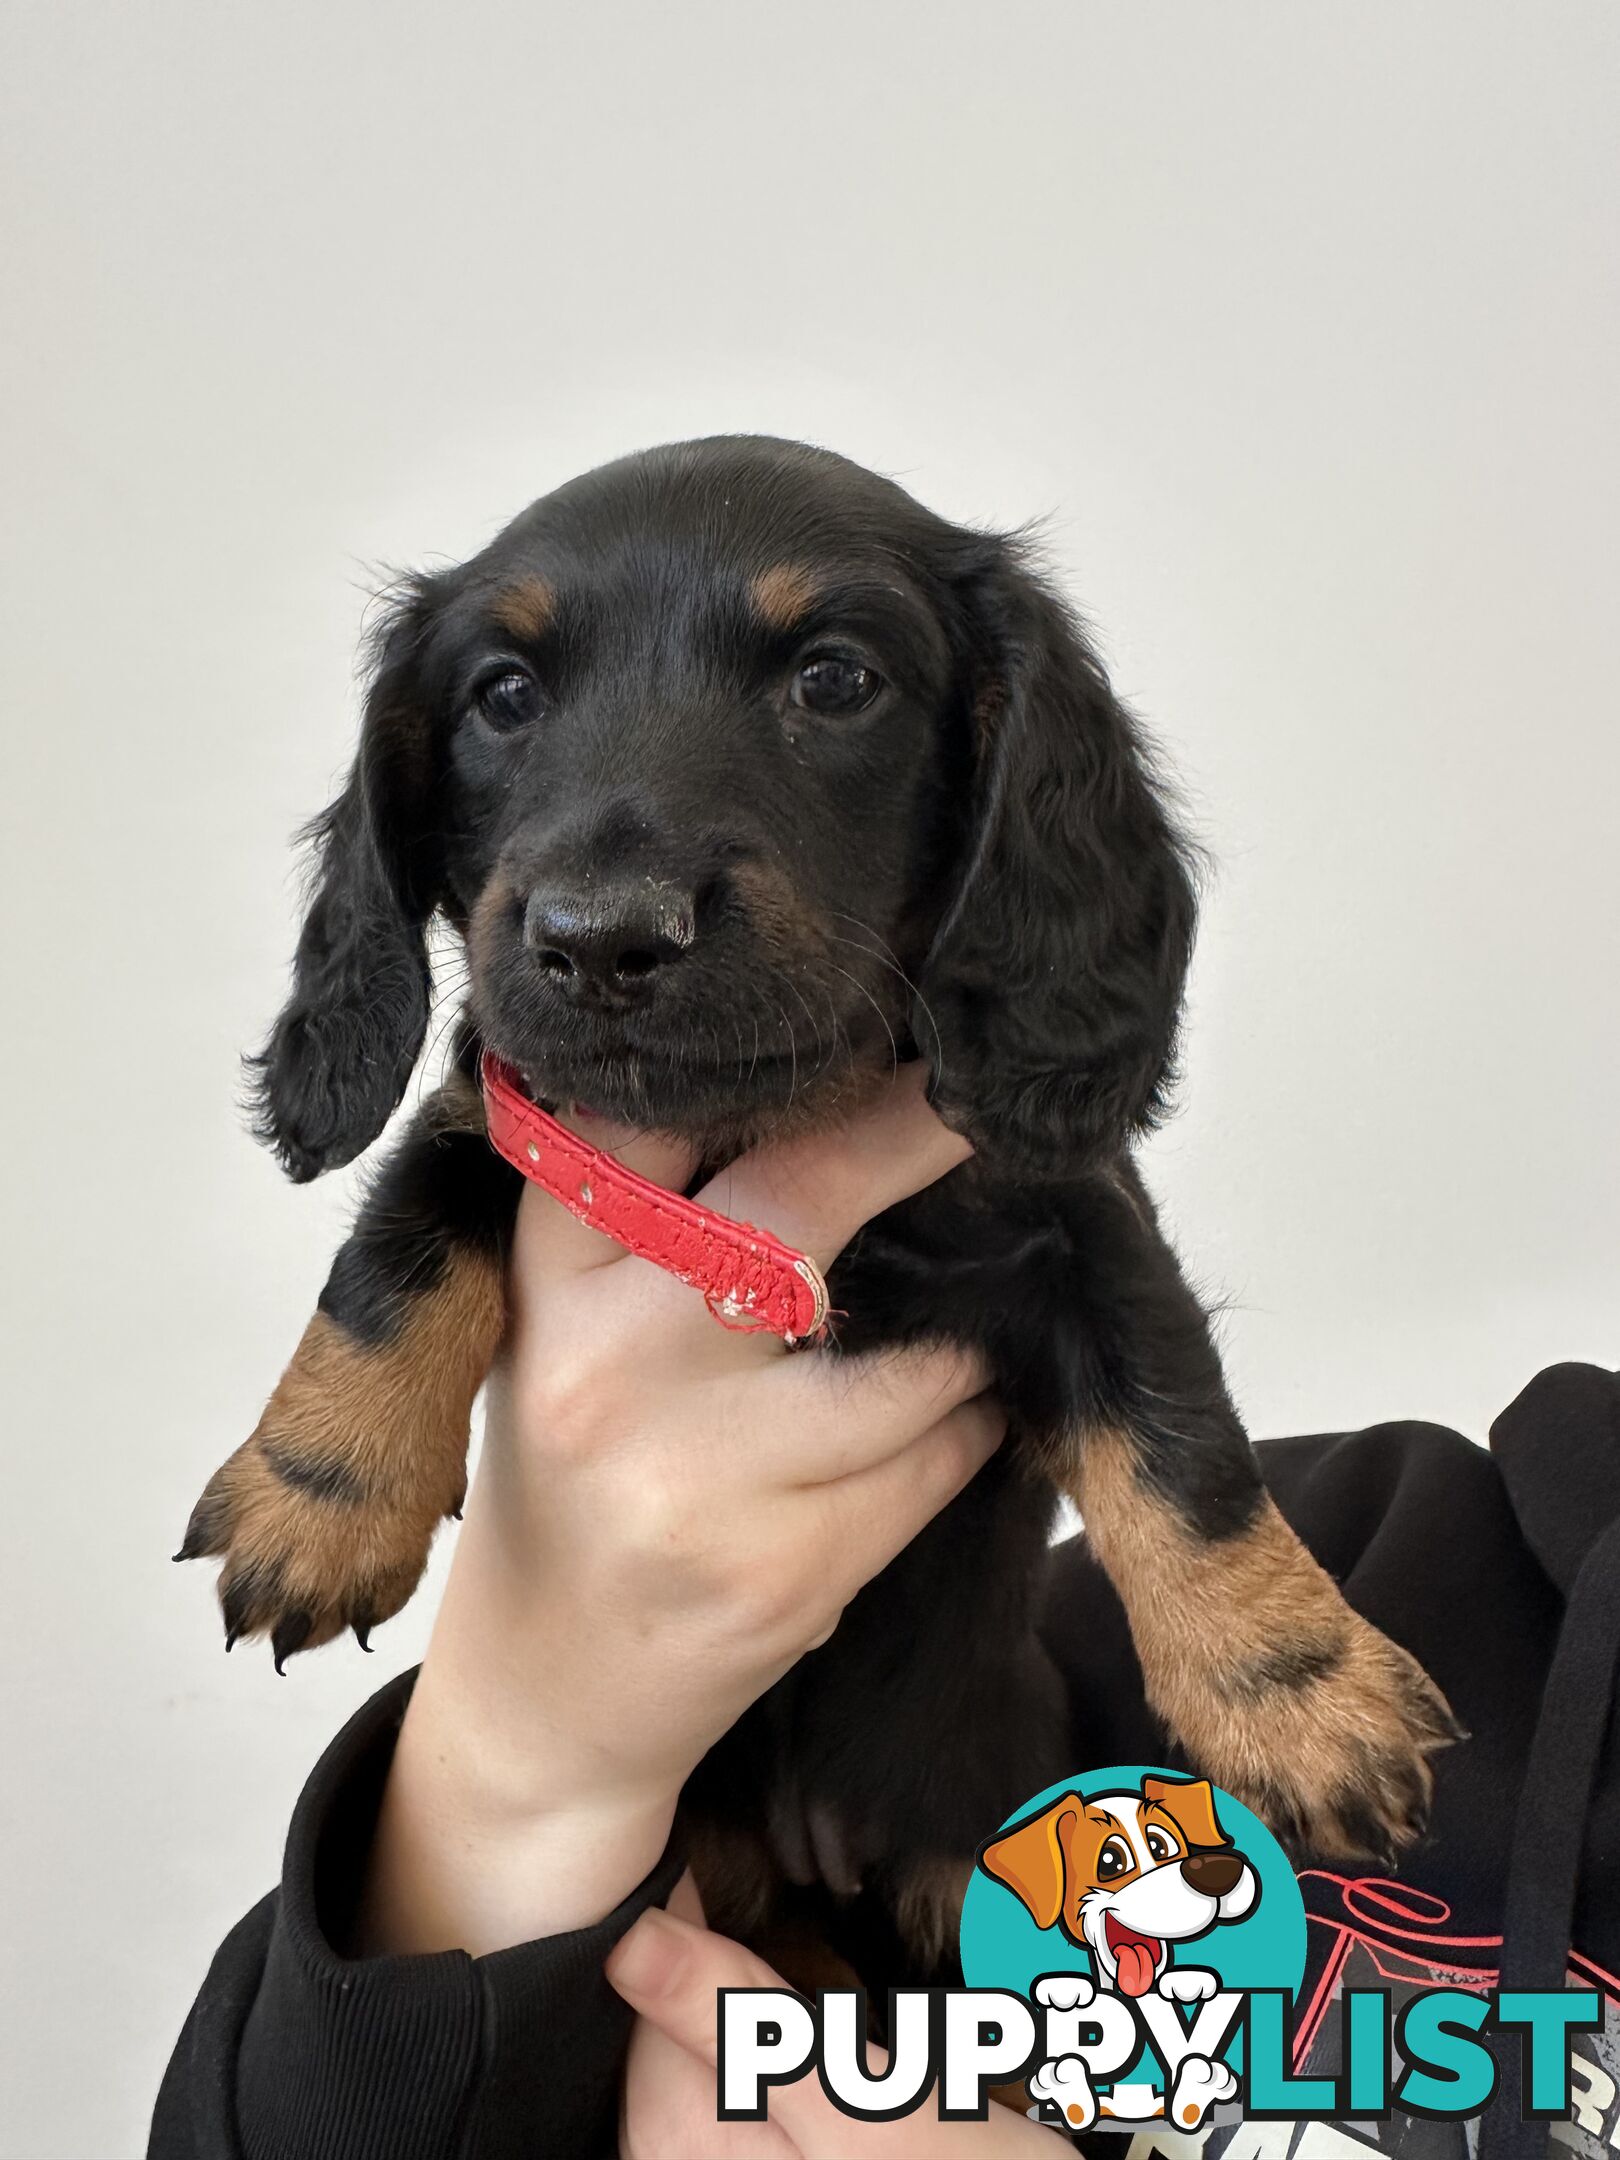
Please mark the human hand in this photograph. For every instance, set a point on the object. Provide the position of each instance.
(670, 1968)
(666, 1516)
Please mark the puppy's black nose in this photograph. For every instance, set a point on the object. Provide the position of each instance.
(1214, 1873)
(608, 938)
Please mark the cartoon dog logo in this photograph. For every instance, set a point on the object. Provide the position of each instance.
(1127, 1876)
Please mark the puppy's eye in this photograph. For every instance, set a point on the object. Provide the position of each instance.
(509, 700)
(835, 686)
(1160, 1843)
(1114, 1859)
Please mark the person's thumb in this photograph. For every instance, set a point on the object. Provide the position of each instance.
(671, 1973)
(669, 2108)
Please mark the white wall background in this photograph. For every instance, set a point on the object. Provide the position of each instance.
(1299, 320)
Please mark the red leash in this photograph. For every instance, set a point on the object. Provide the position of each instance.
(749, 1279)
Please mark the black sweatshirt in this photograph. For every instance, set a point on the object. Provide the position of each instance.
(1499, 1571)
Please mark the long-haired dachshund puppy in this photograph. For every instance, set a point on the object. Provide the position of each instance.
(735, 768)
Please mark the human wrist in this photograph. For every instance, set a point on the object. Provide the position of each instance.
(463, 1859)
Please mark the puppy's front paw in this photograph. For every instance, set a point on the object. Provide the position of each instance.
(324, 1517)
(1330, 1742)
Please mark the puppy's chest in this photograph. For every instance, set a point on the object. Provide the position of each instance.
(964, 1262)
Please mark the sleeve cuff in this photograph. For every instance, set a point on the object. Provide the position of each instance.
(416, 2058)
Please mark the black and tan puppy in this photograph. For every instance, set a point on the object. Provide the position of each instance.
(740, 774)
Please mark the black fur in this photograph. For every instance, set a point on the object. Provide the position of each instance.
(347, 1040)
(980, 868)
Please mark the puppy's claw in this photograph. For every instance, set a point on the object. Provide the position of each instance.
(204, 1532)
(289, 1636)
(300, 1568)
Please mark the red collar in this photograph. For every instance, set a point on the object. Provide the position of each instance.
(749, 1279)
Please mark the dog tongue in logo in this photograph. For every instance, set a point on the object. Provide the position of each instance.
(1137, 1956)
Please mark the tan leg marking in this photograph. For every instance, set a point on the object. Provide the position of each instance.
(325, 1515)
(1252, 1658)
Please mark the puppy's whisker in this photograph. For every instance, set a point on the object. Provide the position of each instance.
(425, 1066)
(885, 954)
(793, 1051)
(894, 1047)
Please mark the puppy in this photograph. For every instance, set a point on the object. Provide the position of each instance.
(740, 775)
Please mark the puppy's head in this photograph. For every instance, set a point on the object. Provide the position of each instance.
(743, 774)
(1125, 1875)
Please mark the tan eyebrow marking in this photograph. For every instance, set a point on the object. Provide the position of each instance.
(783, 593)
(525, 608)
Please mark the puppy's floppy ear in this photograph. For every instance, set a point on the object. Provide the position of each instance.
(1031, 1860)
(1191, 1803)
(342, 1050)
(1051, 996)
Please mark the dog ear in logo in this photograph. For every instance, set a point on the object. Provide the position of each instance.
(1191, 1802)
(1032, 1862)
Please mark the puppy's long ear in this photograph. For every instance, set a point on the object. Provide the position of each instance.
(342, 1050)
(1031, 1860)
(1054, 984)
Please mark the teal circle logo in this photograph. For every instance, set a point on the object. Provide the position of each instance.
(1140, 1884)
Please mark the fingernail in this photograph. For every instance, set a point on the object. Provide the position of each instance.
(644, 1964)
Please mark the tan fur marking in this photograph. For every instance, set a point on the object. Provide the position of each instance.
(783, 594)
(392, 1420)
(525, 608)
(777, 909)
(1205, 1613)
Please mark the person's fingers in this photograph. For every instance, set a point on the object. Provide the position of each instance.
(671, 1973)
(815, 1192)
(879, 1510)
(830, 1416)
(550, 1242)
(668, 2110)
